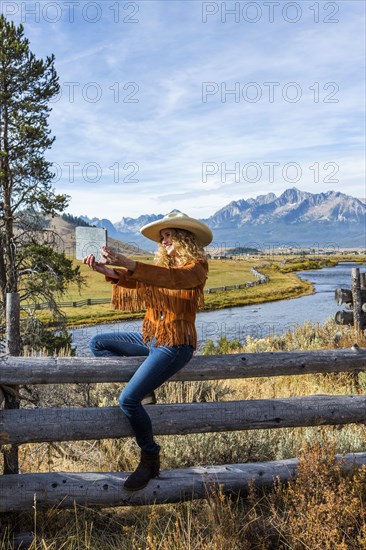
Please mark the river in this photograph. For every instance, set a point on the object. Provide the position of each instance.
(253, 320)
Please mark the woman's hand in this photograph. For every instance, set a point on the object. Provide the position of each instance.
(99, 266)
(117, 259)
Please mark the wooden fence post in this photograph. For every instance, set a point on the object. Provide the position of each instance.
(11, 394)
(12, 401)
(356, 299)
(363, 281)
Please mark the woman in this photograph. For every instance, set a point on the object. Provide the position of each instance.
(171, 292)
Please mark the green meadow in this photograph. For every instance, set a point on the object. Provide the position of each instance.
(284, 283)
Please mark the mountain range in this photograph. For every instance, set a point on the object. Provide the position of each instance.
(296, 218)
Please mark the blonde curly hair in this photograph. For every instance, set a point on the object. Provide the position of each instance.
(187, 247)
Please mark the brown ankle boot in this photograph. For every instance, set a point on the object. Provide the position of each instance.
(149, 399)
(148, 468)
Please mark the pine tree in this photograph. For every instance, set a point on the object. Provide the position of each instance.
(28, 264)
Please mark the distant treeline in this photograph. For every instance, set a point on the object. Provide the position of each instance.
(242, 250)
(75, 220)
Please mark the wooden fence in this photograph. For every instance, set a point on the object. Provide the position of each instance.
(21, 492)
(355, 302)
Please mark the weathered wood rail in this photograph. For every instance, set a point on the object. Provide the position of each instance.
(64, 489)
(74, 370)
(23, 491)
(68, 424)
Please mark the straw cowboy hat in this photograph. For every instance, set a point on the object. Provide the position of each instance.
(178, 220)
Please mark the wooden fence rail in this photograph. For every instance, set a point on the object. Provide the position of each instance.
(24, 491)
(65, 489)
(77, 424)
(71, 370)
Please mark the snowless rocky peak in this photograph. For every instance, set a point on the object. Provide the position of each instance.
(297, 214)
(292, 206)
(265, 199)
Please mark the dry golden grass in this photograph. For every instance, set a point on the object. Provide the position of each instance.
(322, 508)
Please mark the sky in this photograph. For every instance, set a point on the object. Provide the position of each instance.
(189, 105)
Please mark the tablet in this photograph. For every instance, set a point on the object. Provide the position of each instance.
(89, 240)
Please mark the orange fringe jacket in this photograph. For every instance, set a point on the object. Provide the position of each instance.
(170, 295)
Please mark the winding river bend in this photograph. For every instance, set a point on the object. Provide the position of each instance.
(253, 320)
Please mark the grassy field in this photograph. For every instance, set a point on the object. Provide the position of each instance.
(228, 272)
(221, 273)
(284, 283)
(321, 510)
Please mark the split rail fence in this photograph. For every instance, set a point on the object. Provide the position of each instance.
(354, 300)
(24, 491)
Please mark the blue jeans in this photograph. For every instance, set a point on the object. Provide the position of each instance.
(160, 364)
